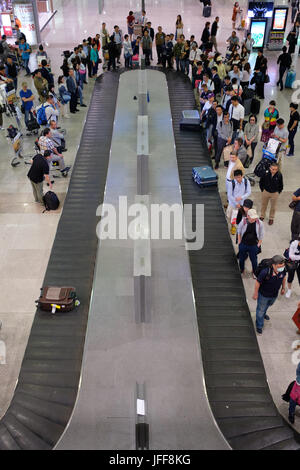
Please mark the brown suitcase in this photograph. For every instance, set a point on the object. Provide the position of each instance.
(53, 298)
(296, 319)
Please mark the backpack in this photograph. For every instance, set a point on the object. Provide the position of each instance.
(41, 115)
(245, 183)
(51, 201)
(264, 264)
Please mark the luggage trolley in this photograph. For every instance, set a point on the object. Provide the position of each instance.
(16, 138)
(269, 156)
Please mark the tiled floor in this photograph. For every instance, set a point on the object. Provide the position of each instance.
(26, 234)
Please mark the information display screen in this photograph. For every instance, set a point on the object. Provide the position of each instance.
(258, 29)
(279, 19)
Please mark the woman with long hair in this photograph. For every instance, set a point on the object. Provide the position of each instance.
(179, 27)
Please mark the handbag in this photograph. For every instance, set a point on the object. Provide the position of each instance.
(267, 79)
(22, 109)
(226, 152)
(293, 205)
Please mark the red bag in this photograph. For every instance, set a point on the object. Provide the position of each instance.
(296, 318)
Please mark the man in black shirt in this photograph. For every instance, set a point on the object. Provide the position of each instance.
(38, 171)
(271, 185)
(11, 71)
(213, 33)
(293, 127)
(284, 61)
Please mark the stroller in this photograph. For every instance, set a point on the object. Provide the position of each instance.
(269, 156)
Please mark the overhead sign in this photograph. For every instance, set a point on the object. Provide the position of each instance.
(24, 13)
(279, 19)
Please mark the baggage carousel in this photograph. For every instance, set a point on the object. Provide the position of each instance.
(65, 360)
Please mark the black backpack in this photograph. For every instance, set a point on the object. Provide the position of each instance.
(264, 264)
(51, 201)
(233, 184)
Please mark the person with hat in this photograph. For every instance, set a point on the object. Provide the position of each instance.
(269, 282)
(295, 396)
(250, 236)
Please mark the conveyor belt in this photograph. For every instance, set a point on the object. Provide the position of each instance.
(48, 382)
(235, 377)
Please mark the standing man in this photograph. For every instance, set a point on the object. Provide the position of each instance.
(271, 185)
(237, 114)
(267, 286)
(11, 71)
(72, 88)
(295, 225)
(38, 172)
(159, 42)
(224, 133)
(282, 135)
(284, 61)
(237, 192)
(25, 50)
(213, 33)
(293, 127)
(250, 236)
(147, 47)
(117, 34)
(104, 41)
(151, 34)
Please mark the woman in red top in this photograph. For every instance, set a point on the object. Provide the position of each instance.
(236, 10)
(130, 24)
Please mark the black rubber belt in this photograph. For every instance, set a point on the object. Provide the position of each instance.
(235, 378)
(48, 382)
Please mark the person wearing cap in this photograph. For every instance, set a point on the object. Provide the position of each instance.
(269, 282)
(237, 192)
(250, 236)
(295, 396)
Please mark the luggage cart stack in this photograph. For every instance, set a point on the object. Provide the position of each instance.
(269, 156)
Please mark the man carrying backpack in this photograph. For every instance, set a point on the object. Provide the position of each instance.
(237, 192)
(250, 236)
(270, 280)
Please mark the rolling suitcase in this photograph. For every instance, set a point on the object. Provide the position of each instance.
(135, 61)
(205, 176)
(207, 11)
(290, 78)
(255, 106)
(52, 298)
(51, 201)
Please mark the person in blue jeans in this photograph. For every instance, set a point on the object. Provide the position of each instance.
(27, 98)
(293, 127)
(267, 286)
(25, 50)
(250, 236)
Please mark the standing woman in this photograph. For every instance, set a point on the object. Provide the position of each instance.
(179, 27)
(246, 75)
(94, 60)
(185, 58)
(205, 36)
(251, 134)
(249, 43)
(236, 10)
(130, 24)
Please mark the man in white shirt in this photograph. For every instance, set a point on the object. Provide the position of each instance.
(195, 54)
(238, 190)
(207, 105)
(237, 114)
(50, 109)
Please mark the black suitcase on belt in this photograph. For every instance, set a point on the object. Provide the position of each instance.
(255, 106)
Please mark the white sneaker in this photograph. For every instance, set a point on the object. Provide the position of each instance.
(288, 294)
